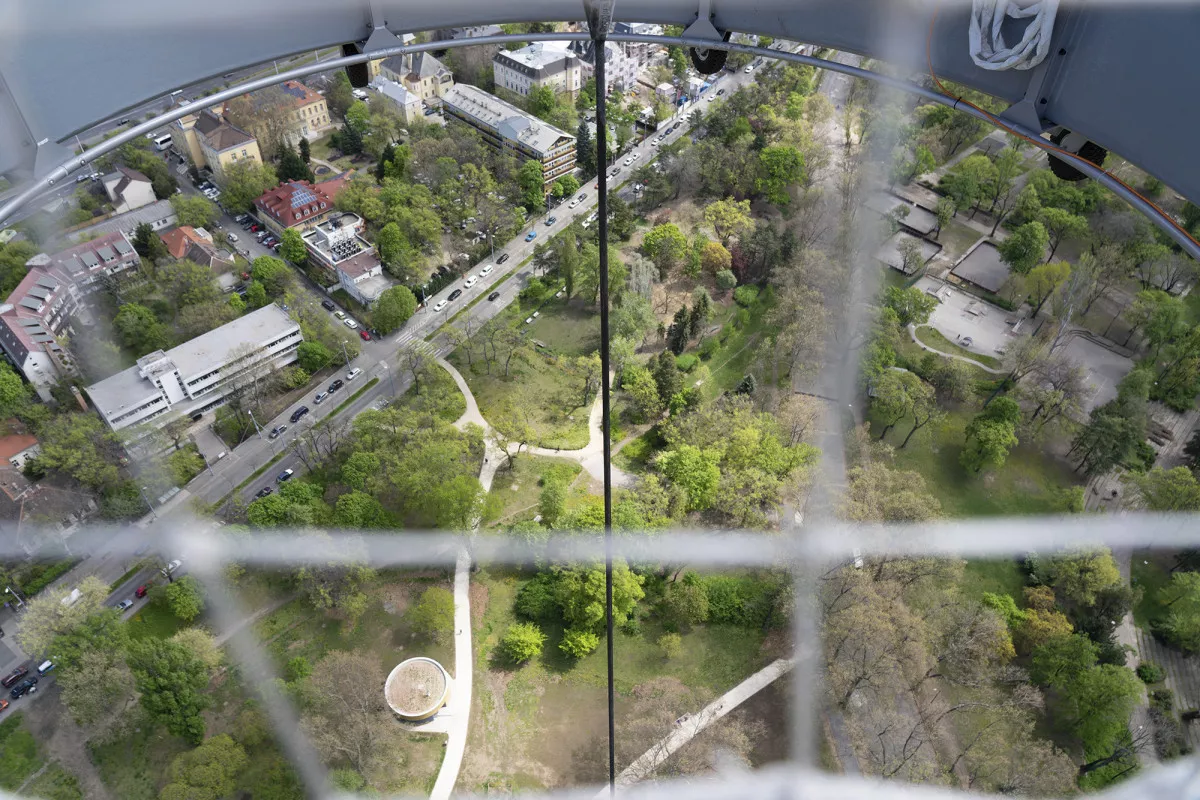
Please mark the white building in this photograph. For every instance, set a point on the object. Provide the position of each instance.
(640, 52)
(128, 189)
(406, 103)
(337, 245)
(620, 70)
(540, 64)
(195, 376)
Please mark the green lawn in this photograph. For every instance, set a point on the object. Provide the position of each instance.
(956, 239)
(635, 456)
(55, 784)
(1149, 572)
(154, 620)
(999, 576)
(934, 338)
(134, 766)
(729, 364)
(1026, 484)
(320, 149)
(521, 487)
(439, 395)
(569, 329)
(19, 752)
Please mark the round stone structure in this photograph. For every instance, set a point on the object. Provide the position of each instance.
(417, 689)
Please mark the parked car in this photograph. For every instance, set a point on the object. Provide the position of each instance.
(23, 688)
(285, 476)
(172, 566)
(487, 268)
(240, 218)
(320, 398)
(277, 431)
(503, 257)
(254, 227)
(14, 676)
(349, 323)
(366, 337)
(457, 293)
(298, 413)
(749, 69)
(231, 237)
(263, 492)
(493, 295)
(529, 237)
(3, 704)
(141, 590)
(574, 203)
(337, 384)
(328, 305)
(440, 305)
(125, 605)
(340, 314)
(628, 161)
(471, 281)
(247, 226)
(354, 373)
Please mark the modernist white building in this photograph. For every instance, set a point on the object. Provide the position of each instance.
(195, 376)
(540, 64)
(338, 245)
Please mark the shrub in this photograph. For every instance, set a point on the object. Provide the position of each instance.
(1163, 700)
(522, 641)
(745, 296)
(632, 627)
(1150, 672)
(726, 602)
(577, 642)
(708, 347)
(687, 362)
(536, 600)
(47, 575)
(671, 645)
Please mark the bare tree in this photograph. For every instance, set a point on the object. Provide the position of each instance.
(350, 718)
(416, 360)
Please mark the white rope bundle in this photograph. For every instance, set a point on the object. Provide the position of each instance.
(988, 49)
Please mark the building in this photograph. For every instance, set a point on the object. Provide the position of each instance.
(290, 111)
(417, 689)
(158, 215)
(128, 189)
(620, 70)
(196, 245)
(639, 52)
(198, 375)
(86, 265)
(294, 204)
(337, 245)
(503, 125)
(551, 64)
(310, 115)
(469, 32)
(406, 103)
(18, 448)
(419, 73)
(208, 140)
(31, 320)
(373, 66)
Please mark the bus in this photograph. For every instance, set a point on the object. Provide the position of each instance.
(162, 142)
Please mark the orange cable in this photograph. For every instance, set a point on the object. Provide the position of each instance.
(1041, 143)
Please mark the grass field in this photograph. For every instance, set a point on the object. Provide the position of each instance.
(635, 456)
(439, 395)
(55, 784)
(730, 362)
(518, 490)
(999, 576)
(133, 767)
(569, 329)
(154, 620)
(956, 239)
(1026, 484)
(1149, 571)
(934, 338)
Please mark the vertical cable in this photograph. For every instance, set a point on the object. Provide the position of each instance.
(598, 42)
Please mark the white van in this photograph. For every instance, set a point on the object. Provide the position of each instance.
(45, 667)
(354, 373)
(162, 142)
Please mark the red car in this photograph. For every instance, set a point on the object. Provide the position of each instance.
(14, 676)
(366, 337)
(141, 590)
(254, 228)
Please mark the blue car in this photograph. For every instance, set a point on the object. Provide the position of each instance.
(529, 237)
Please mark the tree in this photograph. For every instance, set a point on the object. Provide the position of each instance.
(139, 329)
(677, 333)
(779, 167)
(1181, 596)
(272, 273)
(988, 442)
(147, 244)
(100, 632)
(434, 614)
(244, 182)
(305, 150)
(291, 247)
(685, 602)
(642, 388)
(1043, 280)
(522, 641)
(256, 295)
(81, 446)
(349, 716)
(1167, 490)
(392, 245)
(185, 597)
(1079, 576)
(911, 305)
(671, 645)
(729, 219)
(667, 379)
(1025, 247)
(552, 503)
(1060, 224)
(726, 280)
(580, 593)
(95, 685)
(396, 305)
(578, 643)
(1059, 661)
(209, 771)
(201, 644)
(877, 493)
(312, 356)
(999, 190)
(944, 211)
(1097, 704)
(694, 470)
(171, 682)
(46, 617)
(701, 313)
(194, 210)
(532, 185)
(967, 183)
(585, 149)
(291, 167)
(665, 245)
(893, 395)
(715, 258)
(924, 409)
(588, 369)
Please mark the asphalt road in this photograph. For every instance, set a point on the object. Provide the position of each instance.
(378, 358)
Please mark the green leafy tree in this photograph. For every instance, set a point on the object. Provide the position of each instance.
(185, 597)
(291, 247)
(622, 222)
(392, 245)
(209, 771)
(665, 245)
(685, 602)
(714, 258)
(358, 116)
(671, 645)
(893, 395)
(272, 273)
(552, 502)
(1080, 577)
(580, 593)
(726, 280)
(147, 244)
(531, 182)
(201, 644)
(912, 305)
(578, 643)
(1181, 597)
(569, 184)
(694, 470)
(944, 210)
(522, 641)
(290, 166)
(585, 149)
(1025, 247)
(1061, 224)
(434, 614)
(139, 329)
(667, 379)
(1097, 704)
(1043, 280)
(1167, 490)
(313, 356)
(194, 210)
(101, 631)
(83, 447)
(396, 305)
(988, 443)
(1061, 660)
(171, 682)
(256, 295)
(779, 167)
(642, 388)
(244, 182)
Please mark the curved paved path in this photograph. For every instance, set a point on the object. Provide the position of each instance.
(912, 331)
(591, 456)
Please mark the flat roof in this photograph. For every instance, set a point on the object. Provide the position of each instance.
(918, 219)
(127, 388)
(509, 121)
(983, 267)
(889, 251)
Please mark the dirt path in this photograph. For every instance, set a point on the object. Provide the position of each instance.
(66, 743)
(255, 617)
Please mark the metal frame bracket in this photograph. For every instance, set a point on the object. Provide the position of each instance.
(703, 27)
(599, 15)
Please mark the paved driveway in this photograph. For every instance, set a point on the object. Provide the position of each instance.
(1105, 369)
(961, 314)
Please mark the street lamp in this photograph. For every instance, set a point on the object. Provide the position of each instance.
(13, 592)
(391, 380)
(142, 491)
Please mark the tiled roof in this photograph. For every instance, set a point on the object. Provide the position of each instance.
(226, 136)
(292, 202)
(16, 443)
(179, 240)
(301, 94)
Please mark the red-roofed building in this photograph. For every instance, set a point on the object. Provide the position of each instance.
(180, 240)
(294, 204)
(334, 185)
(16, 448)
(86, 264)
